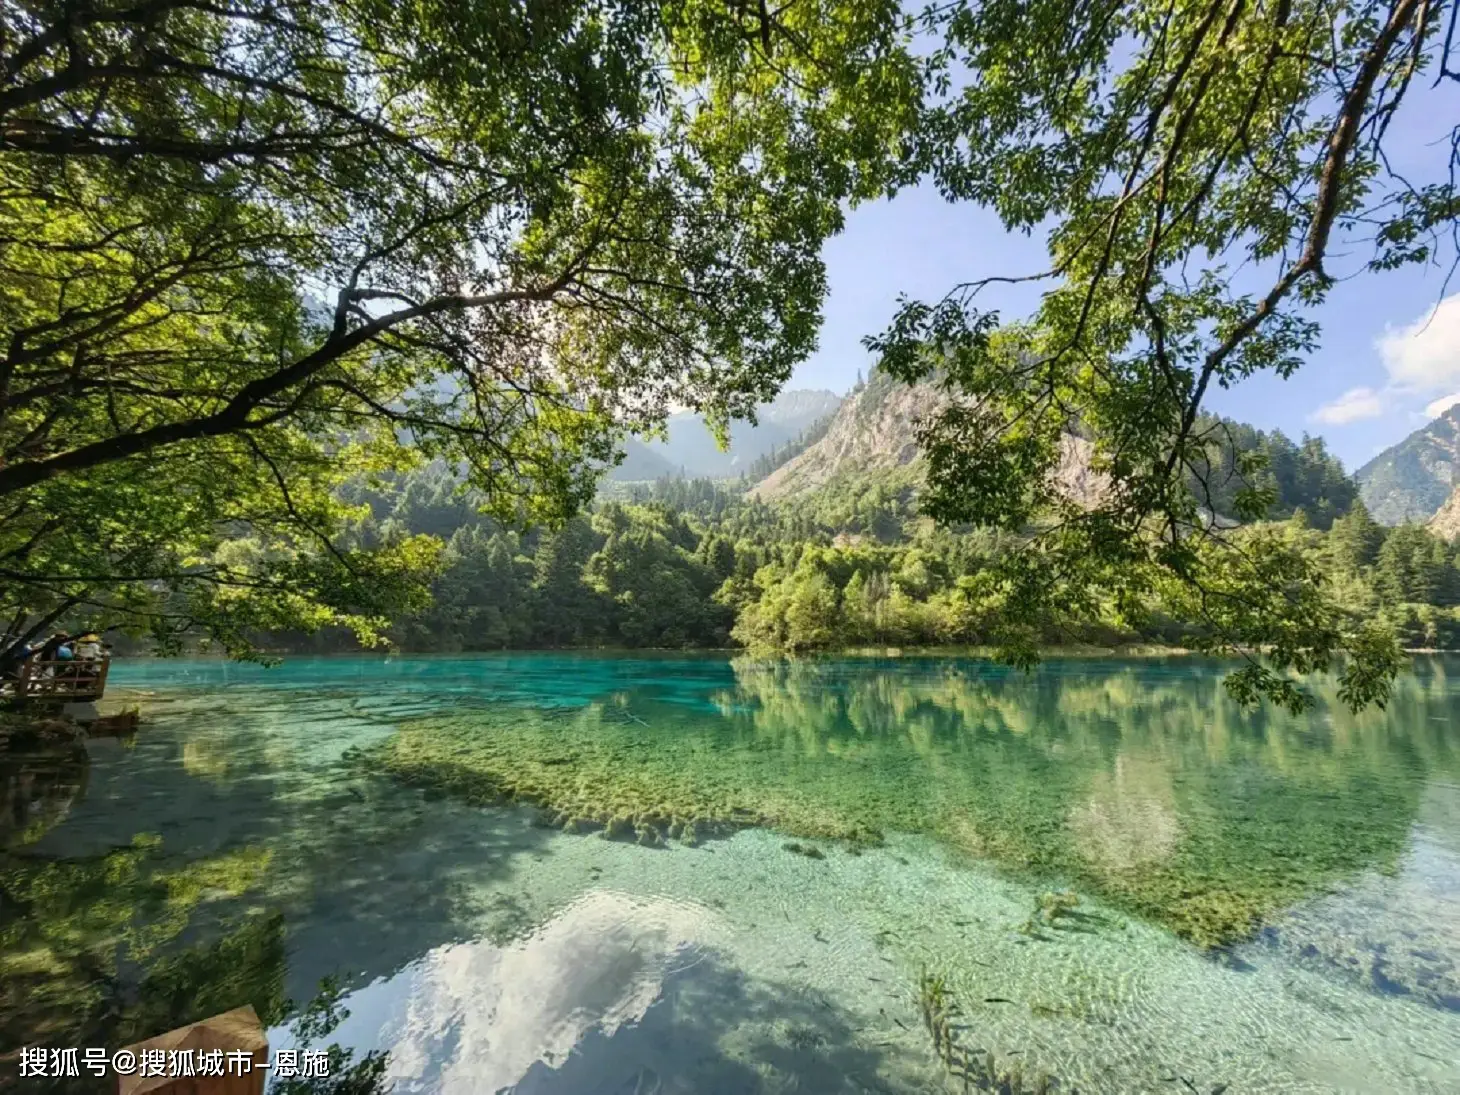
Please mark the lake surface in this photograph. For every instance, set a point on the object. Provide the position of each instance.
(1119, 877)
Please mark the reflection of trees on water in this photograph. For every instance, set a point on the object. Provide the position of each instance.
(1146, 781)
(81, 938)
(835, 705)
(37, 789)
(199, 861)
(205, 760)
(1439, 813)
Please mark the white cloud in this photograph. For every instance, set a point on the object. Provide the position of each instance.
(1426, 353)
(1441, 405)
(1353, 405)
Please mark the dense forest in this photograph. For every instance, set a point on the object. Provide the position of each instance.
(699, 563)
(1295, 475)
(321, 323)
(235, 288)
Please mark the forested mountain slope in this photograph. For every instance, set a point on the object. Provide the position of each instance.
(685, 563)
(1446, 523)
(831, 551)
(872, 441)
(1410, 481)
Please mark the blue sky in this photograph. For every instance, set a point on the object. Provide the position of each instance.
(1387, 353)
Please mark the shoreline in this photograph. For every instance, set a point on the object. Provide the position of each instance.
(979, 653)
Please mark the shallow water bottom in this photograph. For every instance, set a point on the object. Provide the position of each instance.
(605, 968)
(488, 954)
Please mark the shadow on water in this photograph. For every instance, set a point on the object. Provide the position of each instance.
(38, 787)
(715, 1030)
(391, 878)
(200, 868)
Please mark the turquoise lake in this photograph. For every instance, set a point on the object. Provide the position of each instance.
(1123, 879)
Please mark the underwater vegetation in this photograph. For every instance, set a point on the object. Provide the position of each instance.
(1397, 953)
(1051, 910)
(978, 1069)
(1159, 796)
(599, 783)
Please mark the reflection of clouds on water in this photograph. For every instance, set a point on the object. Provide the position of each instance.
(1130, 819)
(1396, 932)
(476, 1017)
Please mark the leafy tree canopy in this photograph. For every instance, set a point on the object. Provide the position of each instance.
(248, 247)
(1199, 165)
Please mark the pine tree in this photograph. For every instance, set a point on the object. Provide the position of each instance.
(1356, 537)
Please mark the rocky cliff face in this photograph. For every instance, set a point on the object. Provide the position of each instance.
(1412, 480)
(1446, 522)
(874, 433)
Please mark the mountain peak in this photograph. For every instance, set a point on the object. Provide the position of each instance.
(873, 432)
(1410, 481)
(691, 450)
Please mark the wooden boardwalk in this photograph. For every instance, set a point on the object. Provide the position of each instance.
(72, 680)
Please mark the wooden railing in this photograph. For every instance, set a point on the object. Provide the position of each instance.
(57, 680)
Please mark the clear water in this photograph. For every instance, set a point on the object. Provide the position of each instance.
(258, 835)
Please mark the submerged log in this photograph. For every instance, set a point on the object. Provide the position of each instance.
(106, 726)
(237, 1035)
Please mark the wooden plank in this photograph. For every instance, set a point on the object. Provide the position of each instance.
(236, 1031)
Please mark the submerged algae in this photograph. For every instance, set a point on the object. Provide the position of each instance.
(1159, 796)
(615, 786)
